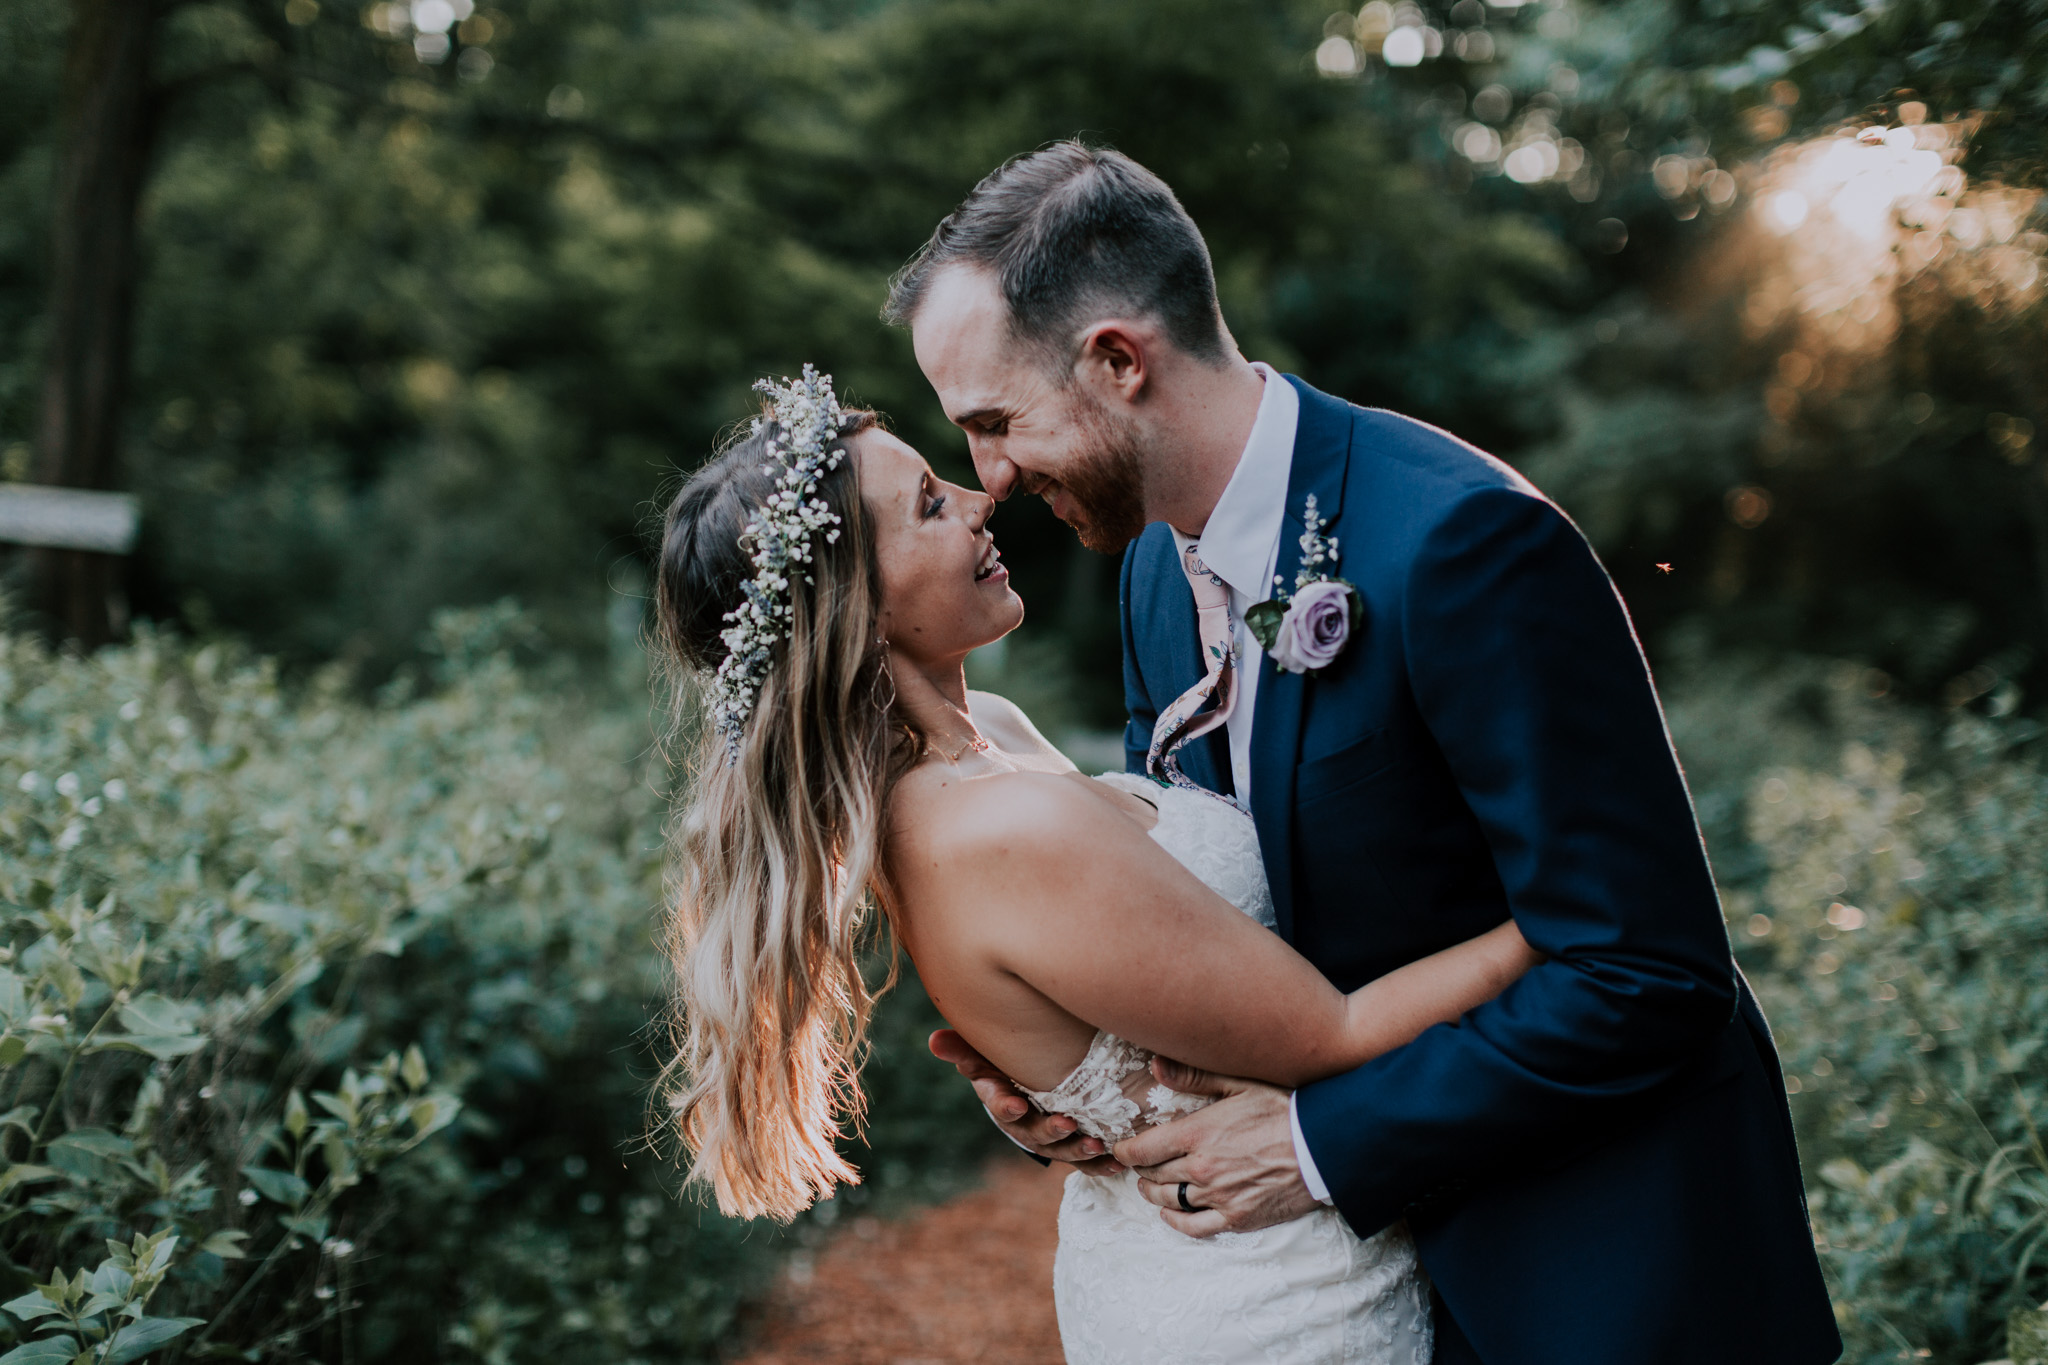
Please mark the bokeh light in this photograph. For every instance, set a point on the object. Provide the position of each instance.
(1532, 161)
(1405, 46)
(1477, 143)
(433, 16)
(1337, 56)
(1857, 214)
(1785, 211)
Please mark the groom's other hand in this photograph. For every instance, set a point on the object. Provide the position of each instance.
(1237, 1157)
(1052, 1136)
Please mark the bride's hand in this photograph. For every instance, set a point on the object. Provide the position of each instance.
(1051, 1136)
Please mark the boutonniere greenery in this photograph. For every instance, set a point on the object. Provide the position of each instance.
(1306, 629)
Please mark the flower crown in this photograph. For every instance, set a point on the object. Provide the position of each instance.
(807, 419)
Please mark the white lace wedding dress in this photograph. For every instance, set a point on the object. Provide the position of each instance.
(1131, 1290)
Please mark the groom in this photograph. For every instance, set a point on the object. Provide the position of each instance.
(1598, 1166)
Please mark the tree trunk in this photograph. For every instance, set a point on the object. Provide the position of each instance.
(106, 131)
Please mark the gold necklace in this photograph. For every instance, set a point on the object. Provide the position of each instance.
(973, 742)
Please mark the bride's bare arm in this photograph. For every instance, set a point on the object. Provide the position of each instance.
(1438, 989)
(1053, 887)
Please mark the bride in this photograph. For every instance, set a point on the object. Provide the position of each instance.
(826, 588)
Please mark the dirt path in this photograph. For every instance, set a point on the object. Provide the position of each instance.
(969, 1280)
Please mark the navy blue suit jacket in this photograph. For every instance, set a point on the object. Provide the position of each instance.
(1598, 1165)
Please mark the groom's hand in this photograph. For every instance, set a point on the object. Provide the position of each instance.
(1237, 1157)
(1052, 1136)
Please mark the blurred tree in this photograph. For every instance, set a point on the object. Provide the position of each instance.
(426, 319)
(126, 64)
(106, 130)
(430, 309)
(1815, 392)
(1961, 59)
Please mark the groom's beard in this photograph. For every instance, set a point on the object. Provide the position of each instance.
(1105, 482)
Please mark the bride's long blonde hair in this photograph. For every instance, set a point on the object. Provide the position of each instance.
(777, 845)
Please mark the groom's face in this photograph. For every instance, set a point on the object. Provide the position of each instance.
(1026, 430)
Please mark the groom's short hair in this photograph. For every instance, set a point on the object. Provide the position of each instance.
(1074, 234)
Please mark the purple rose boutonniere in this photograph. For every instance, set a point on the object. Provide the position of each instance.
(1307, 629)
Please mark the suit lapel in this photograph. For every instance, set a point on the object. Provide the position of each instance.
(1322, 450)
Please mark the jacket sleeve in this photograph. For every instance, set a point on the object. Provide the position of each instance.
(1528, 676)
(1138, 702)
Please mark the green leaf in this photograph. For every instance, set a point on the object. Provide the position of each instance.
(62, 1290)
(414, 1068)
(31, 1306)
(48, 1351)
(69, 981)
(12, 1049)
(157, 1025)
(226, 1244)
(160, 1248)
(161, 1046)
(280, 1187)
(137, 1340)
(327, 1039)
(1263, 620)
(112, 1278)
(433, 1113)
(13, 999)
(341, 1162)
(26, 1175)
(336, 1105)
(154, 1013)
(22, 1116)
(295, 1116)
(90, 1154)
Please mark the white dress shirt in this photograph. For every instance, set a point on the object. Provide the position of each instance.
(1241, 545)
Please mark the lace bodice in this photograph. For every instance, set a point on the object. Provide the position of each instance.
(1130, 1289)
(1111, 1094)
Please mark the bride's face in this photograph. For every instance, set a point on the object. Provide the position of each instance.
(944, 590)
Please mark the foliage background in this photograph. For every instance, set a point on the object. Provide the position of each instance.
(419, 336)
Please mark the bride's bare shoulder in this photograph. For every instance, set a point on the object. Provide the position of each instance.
(966, 853)
(942, 817)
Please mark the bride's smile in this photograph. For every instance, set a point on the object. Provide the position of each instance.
(991, 566)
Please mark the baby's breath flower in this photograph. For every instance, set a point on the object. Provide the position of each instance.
(1316, 548)
(807, 419)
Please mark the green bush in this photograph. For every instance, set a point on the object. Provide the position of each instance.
(330, 1019)
(324, 1022)
(1891, 907)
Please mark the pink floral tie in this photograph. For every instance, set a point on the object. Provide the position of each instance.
(1184, 719)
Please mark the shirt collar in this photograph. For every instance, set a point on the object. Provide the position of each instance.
(1238, 542)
